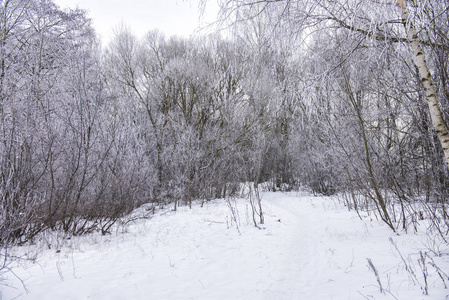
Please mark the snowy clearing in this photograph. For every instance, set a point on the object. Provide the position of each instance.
(308, 248)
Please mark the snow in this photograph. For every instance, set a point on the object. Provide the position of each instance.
(309, 248)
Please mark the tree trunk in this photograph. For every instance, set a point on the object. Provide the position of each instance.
(426, 79)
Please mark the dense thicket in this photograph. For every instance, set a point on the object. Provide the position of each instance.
(360, 123)
(329, 100)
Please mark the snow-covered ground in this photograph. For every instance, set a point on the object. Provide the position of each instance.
(308, 248)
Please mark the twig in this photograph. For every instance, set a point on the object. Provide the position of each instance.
(362, 295)
(439, 271)
(376, 273)
(422, 264)
(407, 267)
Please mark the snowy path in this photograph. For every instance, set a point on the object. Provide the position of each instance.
(309, 248)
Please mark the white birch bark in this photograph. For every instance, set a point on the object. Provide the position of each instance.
(426, 79)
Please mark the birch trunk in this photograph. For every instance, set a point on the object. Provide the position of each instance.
(426, 79)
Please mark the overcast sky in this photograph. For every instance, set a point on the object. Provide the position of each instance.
(173, 17)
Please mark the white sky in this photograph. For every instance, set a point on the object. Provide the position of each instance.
(173, 17)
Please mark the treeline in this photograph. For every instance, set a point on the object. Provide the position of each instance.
(88, 134)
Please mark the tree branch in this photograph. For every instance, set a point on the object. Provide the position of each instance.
(386, 37)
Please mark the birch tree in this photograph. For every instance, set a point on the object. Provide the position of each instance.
(426, 79)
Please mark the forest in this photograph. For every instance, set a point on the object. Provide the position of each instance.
(339, 97)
